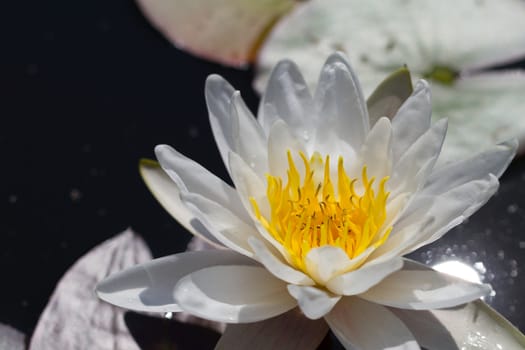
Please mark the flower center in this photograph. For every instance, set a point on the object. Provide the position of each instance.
(314, 212)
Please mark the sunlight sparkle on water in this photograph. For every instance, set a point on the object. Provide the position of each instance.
(459, 269)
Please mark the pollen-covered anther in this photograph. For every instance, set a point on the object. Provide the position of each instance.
(312, 211)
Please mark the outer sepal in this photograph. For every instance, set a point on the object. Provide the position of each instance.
(390, 95)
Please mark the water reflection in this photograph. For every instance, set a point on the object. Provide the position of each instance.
(474, 274)
(460, 269)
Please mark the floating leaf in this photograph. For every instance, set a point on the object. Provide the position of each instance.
(11, 339)
(74, 317)
(474, 325)
(482, 109)
(445, 42)
(477, 326)
(226, 31)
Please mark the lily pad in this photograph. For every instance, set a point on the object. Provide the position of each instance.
(226, 31)
(11, 338)
(75, 318)
(471, 326)
(478, 326)
(451, 44)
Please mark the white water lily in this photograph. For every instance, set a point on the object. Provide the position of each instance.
(323, 209)
(450, 43)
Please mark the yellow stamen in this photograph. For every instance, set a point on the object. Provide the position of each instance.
(312, 214)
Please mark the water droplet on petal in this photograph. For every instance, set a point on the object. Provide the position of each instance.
(306, 135)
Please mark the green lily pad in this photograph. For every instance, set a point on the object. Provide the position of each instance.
(449, 43)
(471, 326)
(478, 326)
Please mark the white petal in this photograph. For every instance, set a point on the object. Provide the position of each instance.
(218, 93)
(289, 331)
(342, 107)
(149, 287)
(367, 276)
(248, 137)
(406, 235)
(278, 246)
(313, 302)
(325, 262)
(492, 161)
(286, 97)
(429, 332)
(276, 266)
(359, 324)
(233, 294)
(168, 195)
(227, 228)
(376, 152)
(413, 167)
(440, 213)
(412, 119)
(234, 127)
(423, 290)
(280, 141)
(248, 184)
(394, 207)
(192, 177)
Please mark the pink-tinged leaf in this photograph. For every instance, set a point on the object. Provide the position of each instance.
(226, 31)
(11, 338)
(75, 318)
